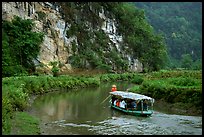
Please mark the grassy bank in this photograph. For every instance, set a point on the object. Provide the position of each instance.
(24, 124)
(16, 91)
(180, 88)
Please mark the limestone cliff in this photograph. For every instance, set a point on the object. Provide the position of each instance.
(57, 46)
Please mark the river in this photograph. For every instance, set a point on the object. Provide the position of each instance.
(84, 112)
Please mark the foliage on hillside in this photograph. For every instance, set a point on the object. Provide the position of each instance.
(20, 45)
(181, 25)
(93, 45)
(184, 87)
(93, 48)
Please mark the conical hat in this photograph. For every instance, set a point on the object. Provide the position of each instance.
(113, 85)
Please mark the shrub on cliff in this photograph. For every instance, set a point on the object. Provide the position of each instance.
(20, 46)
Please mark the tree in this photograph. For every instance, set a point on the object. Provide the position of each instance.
(186, 61)
(197, 65)
(139, 39)
(21, 44)
(181, 24)
(55, 68)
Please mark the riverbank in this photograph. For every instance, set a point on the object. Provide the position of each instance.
(62, 112)
(182, 90)
(177, 108)
(17, 91)
(25, 124)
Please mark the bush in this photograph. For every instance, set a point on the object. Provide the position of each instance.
(41, 15)
(184, 81)
(17, 97)
(55, 67)
(137, 80)
(104, 67)
(6, 114)
(20, 46)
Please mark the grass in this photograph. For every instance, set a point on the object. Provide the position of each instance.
(16, 90)
(182, 87)
(25, 124)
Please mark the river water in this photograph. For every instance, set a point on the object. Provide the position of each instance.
(87, 112)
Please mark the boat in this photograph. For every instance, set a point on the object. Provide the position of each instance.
(144, 104)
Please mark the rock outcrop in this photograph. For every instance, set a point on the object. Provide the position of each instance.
(56, 46)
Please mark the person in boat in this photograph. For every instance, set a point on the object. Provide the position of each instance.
(128, 103)
(133, 104)
(114, 103)
(145, 105)
(138, 103)
(118, 102)
(123, 104)
(114, 88)
(113, 99)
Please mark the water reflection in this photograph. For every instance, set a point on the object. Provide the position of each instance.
(82, 112)
(76, 105)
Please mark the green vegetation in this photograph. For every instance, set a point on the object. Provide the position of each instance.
(116, 77)
(92, 49)
(55, 68)
(137, 79)
(181, 25)
(20, 45)
(24, 124)
(41, 15)
(184, 87)
(16, 90)
(186, 61)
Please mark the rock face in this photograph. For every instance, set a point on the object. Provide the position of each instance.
(56, 45)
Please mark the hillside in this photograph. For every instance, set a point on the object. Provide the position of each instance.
(181, 25)
(111, 37)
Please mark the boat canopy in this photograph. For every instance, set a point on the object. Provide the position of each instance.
(130, 95)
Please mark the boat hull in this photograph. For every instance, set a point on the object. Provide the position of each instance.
(134, 112)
